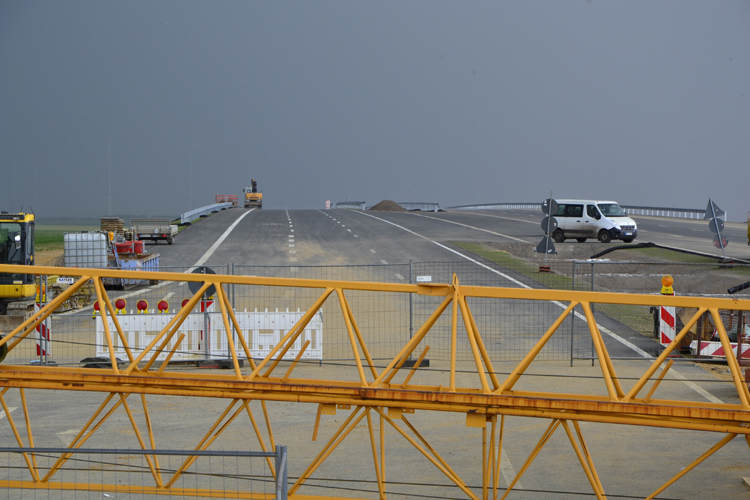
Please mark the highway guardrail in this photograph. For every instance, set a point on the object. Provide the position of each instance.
(199, 212)
(678, 213)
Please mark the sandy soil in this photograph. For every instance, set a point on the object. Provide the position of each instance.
(49, 257)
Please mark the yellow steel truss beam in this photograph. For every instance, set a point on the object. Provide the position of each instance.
(493, 396)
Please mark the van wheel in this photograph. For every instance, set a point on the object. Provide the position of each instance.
(558, 235)
(628, 240)
(605, 237)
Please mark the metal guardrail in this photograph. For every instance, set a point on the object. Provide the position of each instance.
(358, 205)
(499, 206)
(679, 213)
(198, 212)
(423, 207)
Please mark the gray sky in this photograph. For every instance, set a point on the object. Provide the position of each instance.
(644, 102)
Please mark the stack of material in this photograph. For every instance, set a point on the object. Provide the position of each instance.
(113, 224)
(388, 206)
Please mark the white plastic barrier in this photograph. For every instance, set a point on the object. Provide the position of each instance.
(261, 330)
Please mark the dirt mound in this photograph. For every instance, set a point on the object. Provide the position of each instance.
(387, 206)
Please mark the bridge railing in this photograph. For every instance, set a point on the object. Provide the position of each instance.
(421, 206)
(680, 213)
(356, 205)
(200, 212)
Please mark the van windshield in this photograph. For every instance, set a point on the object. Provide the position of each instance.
(611, 210)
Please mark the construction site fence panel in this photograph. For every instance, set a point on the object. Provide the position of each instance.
(388, 320)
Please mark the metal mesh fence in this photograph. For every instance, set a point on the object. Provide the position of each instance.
(128, 474)
(383, 318)
(509, 328)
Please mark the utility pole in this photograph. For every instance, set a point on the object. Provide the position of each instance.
(109, 163)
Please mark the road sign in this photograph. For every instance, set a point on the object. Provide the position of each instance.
(549, 226)
(194, 286)
(546, 246)
(546, 204)
(713, 210)
(720, 242)
(716, 225)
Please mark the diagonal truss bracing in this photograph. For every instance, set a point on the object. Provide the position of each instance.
(380, 395)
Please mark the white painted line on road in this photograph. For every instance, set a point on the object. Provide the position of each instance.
(384, 262)
(292, 230)
(625, 342)
(11, 409)
(181, 283)
(349, 230)
(508, 218)
(292, 251)
(167, 296)
(219, 241)
(472, 227)
(291, 245)
(373, 250)
(68, 436)
(399, 276)
(507, 470)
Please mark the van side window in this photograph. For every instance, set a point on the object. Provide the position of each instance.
(560, 211)
(574, 210)
(592, 211)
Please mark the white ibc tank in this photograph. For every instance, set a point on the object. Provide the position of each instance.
(85, 250)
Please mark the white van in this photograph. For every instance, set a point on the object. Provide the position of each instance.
(583, 219)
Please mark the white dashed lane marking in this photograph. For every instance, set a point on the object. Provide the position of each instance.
(399, 276)
(373, 250)
(383, 261)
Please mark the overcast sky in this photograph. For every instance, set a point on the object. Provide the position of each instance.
(647, 103)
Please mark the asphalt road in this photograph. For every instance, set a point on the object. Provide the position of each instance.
(345, 237)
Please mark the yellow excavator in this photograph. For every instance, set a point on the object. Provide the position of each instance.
(252, 197)
(16, 247)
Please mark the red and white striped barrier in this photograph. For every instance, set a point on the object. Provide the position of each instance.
(716, 350)
(667, 325)
(43, 339)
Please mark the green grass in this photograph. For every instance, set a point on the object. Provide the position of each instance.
(636, 317)
(48, 237)
(528, 269)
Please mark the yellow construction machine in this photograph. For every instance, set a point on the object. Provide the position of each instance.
(252, 197)
(16, 247)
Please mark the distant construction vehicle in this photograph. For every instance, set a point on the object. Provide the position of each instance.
(16, 247)
(252, 197)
